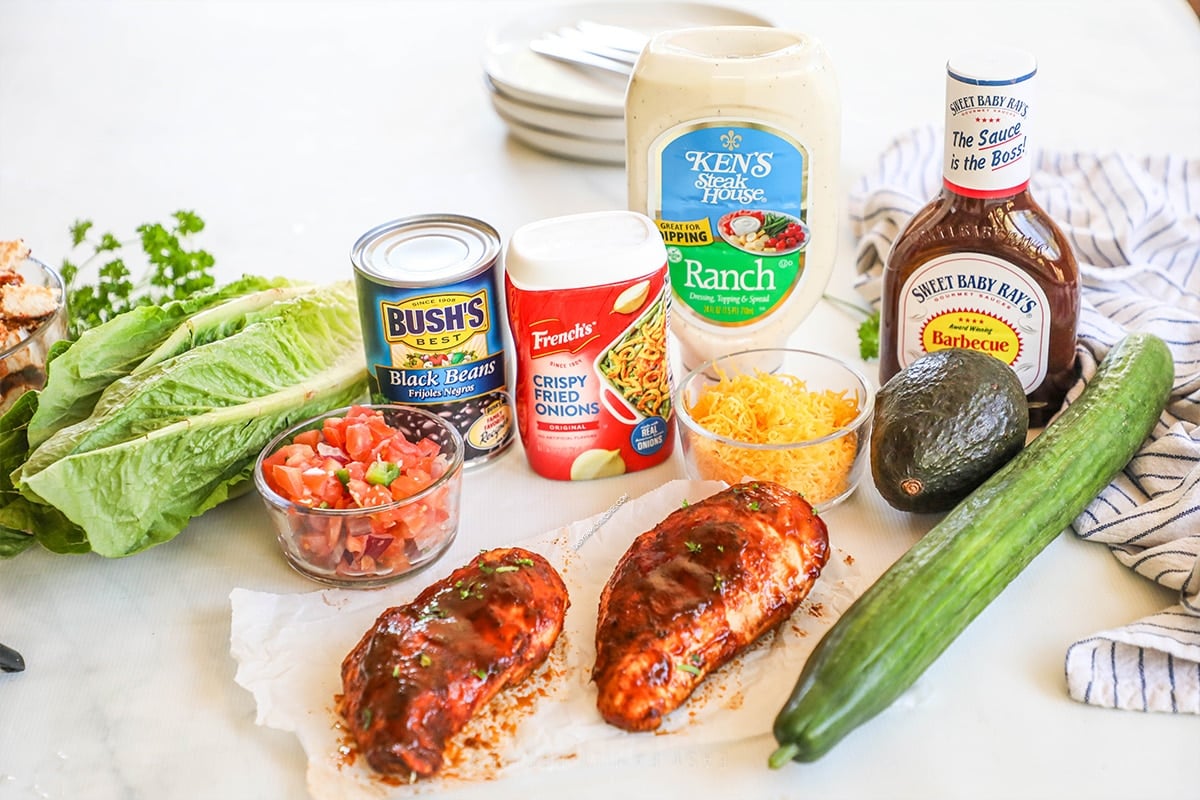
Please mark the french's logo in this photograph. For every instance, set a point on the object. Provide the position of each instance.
(550, 336)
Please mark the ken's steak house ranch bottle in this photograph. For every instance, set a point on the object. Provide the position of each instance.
(732, 149)
(982, 266)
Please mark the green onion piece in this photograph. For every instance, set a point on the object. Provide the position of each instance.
(382, 473)
(507, 568)
(689, 668)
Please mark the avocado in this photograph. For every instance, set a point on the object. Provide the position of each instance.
(943, 425)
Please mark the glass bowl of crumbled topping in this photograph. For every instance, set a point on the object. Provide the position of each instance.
(798, 418)
(33, 316)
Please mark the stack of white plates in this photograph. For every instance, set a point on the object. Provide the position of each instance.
(574, 111)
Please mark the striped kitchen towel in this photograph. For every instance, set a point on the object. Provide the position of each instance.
(1134, 224)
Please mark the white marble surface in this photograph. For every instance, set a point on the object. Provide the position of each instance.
(292, 128)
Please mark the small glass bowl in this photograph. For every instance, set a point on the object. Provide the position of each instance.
(23, 351)
(370, 547)
(825, 470)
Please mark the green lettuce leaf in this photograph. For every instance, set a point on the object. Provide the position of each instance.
(77, 373)
(166, 444)
(19, 518)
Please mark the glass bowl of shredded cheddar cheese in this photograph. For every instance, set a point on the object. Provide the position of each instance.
(795, 417)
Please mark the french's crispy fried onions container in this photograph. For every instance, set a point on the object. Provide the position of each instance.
(588, 308)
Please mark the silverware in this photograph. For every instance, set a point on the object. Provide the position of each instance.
(613, 36)
(592, 44)
(569, 54)
(10, 660)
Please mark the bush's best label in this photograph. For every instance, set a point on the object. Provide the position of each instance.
(732, 211)
(433, 323)
(977, 302)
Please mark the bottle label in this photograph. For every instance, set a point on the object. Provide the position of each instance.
(732, 206)
(979, 302)
(987, 128)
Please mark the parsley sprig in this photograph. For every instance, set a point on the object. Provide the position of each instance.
(868, 329)
(172, 270)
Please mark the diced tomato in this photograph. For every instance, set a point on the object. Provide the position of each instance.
(288, 482)
(408, 484)
(327, 468)
(358, 441)
(310, 438)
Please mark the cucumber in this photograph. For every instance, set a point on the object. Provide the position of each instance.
(904, 621)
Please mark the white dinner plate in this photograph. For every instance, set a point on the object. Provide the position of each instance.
(569, 123)
(577, 148)
(524, 75)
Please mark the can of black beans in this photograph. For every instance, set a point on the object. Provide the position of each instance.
(432, 327)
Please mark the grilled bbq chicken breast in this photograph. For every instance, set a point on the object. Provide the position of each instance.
(695, 590)
(424, 669)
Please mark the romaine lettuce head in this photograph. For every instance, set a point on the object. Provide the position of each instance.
(170, 440)
(79, 371)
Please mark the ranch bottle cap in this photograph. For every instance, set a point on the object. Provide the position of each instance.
(588, 249)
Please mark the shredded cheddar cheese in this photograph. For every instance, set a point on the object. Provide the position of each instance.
(768, 409)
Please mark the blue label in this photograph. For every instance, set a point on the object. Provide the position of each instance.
(441, 384)
(733, 213)
(648, 436)
(711, 171)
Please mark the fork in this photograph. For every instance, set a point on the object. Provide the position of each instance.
(592, 44)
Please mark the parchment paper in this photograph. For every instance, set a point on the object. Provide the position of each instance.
(289, 649)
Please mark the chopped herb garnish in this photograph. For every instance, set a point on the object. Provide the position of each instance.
(689, 668)
(396, 671)
(424, 660)
(508, 568)
(685, 502)
(364, 717)
(432, 611)
(481, 674)
(693, 547)
(753, 505)
(486, 569)
(525, 562)
(718, 582)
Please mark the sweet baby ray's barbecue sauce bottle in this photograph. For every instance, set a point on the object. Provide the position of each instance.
(982, 266)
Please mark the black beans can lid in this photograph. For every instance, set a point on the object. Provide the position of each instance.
(426, 250)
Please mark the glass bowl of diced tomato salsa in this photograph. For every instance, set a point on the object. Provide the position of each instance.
(363, 495)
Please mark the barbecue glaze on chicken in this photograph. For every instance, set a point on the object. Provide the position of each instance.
(695, 590)
(424, 669)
